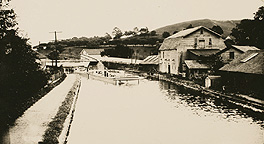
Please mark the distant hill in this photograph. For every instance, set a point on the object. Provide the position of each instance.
(66, 52)
(227, 25)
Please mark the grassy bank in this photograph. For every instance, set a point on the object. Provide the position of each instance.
(10, 112)
(55, 127)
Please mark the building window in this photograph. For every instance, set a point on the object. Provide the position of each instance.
(202, 43)
(195, 42)
(163, 54)
(201, 31)
(231, 55)
(210, 42)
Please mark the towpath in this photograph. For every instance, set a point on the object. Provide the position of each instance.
(30, 127)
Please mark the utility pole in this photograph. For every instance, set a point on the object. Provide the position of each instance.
(55, 42)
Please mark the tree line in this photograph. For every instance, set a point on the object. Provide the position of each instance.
(134, 37)
(20, 75)
(250, 31)
(247, 32)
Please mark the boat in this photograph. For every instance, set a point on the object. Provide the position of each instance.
(116, 77)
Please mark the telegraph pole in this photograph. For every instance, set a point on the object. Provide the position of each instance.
(55, 42)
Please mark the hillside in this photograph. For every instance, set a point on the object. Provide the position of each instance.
(140, 52)
(227, 25)
(66, 52)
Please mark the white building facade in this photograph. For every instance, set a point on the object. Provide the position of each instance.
(173, 50)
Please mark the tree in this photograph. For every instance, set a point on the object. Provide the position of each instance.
(250, 32)
(128, 33)
(217, 29)
(119, 51)
(189, 26)
(153, 33)
(53, 56)
(136, 31)
(7, 19)
(107, 38)
(117, 33)
(21, 77)
(144, 31)
(259, 15)
(165, 34)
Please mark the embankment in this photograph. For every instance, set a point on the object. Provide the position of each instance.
(9, 114)
(58, 128)
(240, 100)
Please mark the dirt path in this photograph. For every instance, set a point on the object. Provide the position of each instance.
(30, 127)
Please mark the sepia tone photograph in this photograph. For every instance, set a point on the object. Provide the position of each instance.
(132, 72)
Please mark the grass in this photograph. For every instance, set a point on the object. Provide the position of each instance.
(55, 127)
(9, 113)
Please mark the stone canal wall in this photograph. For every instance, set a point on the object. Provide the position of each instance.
(63, 138)
(58, 128)
(238, 99)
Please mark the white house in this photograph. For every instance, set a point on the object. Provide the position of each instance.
(173, 51)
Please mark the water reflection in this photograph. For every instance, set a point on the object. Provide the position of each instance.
(206, 105)
(155, 112)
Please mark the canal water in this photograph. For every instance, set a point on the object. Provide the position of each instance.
(157, 112)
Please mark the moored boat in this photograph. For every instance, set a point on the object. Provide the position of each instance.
(112, 76)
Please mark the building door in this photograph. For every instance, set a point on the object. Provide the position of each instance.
(169, 69)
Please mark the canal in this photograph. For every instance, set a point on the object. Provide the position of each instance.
(157, 112)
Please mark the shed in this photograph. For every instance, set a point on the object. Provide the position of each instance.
(245, 73)
(212, 81)
(153, 59)
(150, 64)
(194, 64)
(196, 69)
(233, 52)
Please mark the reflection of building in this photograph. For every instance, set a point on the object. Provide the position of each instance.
(173, 51)
(234, 51)
(245, 73)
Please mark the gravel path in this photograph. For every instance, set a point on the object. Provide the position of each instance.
(30, 127)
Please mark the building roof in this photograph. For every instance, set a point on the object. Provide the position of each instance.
(203, 52)
(120, 60)
(189, 31)
(170, 44)
(92, 57)
(245, 48)
(241, 49)
(213, 77)
(153, 59)
(250, 62)
(69, 63)
(92, 51)
(194, 64)
(172, 41)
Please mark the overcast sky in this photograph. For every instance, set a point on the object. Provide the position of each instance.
(88, 18)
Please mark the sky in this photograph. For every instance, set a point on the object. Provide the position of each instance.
(88, 18)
